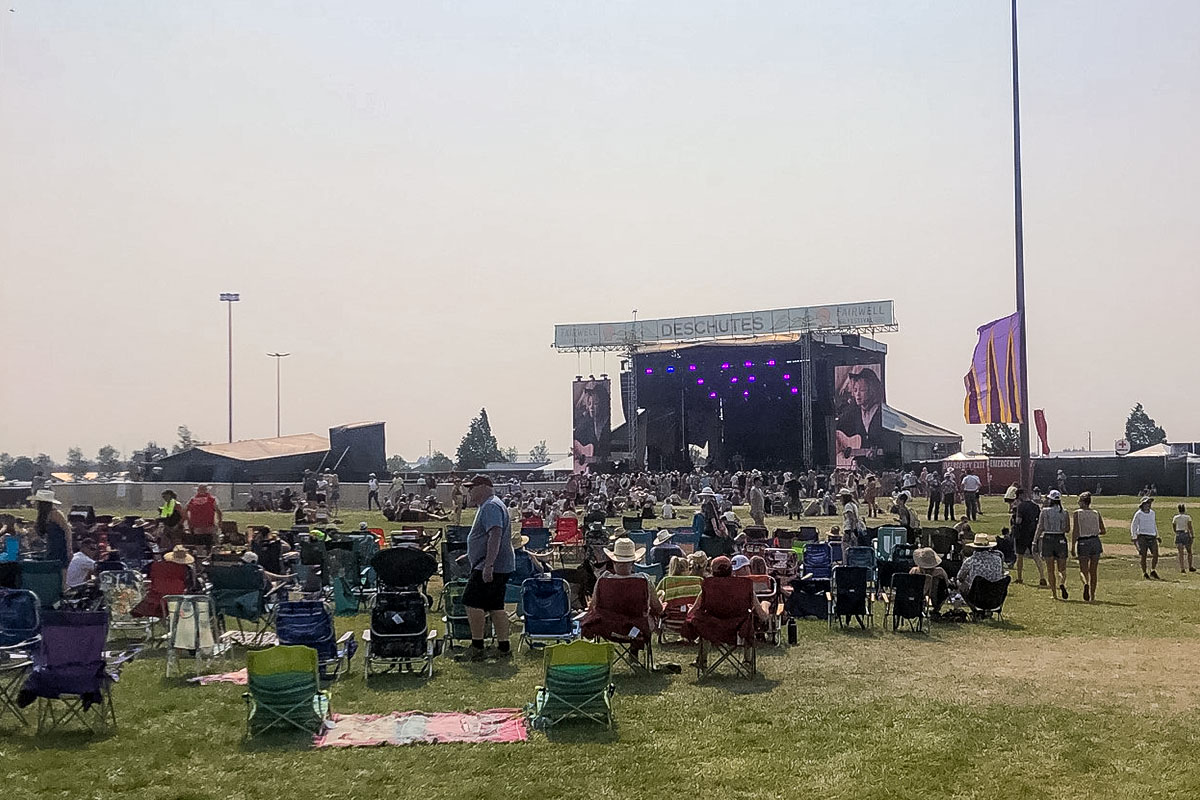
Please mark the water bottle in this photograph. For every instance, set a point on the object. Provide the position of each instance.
(792, 633)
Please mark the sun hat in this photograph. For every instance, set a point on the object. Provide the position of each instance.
(707, 492)
(1011, 494)
(519, 539)
(624, 551)
(1146, 499)
(249, 557)
(926, 558)
(362, 526)
(180, 555)
(982, 541)
(663, 537)
(44, 496)
(698, 559)
(729, 516)
(845, 493)
(738, 562)
(905, 496)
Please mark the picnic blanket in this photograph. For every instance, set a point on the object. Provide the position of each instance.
(416, 727)
(239, 677)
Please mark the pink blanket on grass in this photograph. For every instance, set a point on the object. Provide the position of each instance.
(239, 677)
(415, 727)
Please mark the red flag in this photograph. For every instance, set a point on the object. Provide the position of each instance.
(1039, 419)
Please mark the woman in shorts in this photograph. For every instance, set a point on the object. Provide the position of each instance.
(1087, 526)
(1182, 524)
(1053, 527)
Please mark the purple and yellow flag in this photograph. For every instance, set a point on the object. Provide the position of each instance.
(993, 389)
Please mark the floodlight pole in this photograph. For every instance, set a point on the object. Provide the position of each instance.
(1023, 373)
(230, 298)
(278, 357)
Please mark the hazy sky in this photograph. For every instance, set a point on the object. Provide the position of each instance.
(409, 195)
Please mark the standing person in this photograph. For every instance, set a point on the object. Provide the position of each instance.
(1144, 531)
(934, 490)
(852, 525)
(458, 497)
(910, 519)
(871, 496)
(949, 487)
(53, 527)
(1182, 524)
(492, 559)
(1053, 527)
(758, 503)
(1023, 523)
(170, 517)
(309, 486)
(1087, 526)
(335, 491)
(970, 487)
(203, 517)
(373, 492)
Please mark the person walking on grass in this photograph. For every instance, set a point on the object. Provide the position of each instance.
(493, 560)
(934, 490)
(1182, 524)
(1050, 538)
(1024, 520)
(1144, 532)
(1087, 526)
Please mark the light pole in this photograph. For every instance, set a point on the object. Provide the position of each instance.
(278, 357)
(230, 298)
(1023, 376)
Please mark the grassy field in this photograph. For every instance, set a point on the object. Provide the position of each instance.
(1063, 700)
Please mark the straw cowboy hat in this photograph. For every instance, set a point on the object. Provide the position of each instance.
(519, 539)
(624, 551)
(663, 537)
(982, 542)
(180, 555)
(926, 558)
(44, 496)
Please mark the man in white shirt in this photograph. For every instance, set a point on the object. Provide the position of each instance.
(1144, 532)
(970, 486)
(83, 564)
(373, 492)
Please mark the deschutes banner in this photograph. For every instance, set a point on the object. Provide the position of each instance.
(591, 403)
(993, 393)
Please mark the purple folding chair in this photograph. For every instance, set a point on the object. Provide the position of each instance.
(72, 674)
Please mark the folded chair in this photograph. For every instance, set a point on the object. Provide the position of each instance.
(124, 591)
(578, 684)
(679, 593)
(309, 623)
(284, 691)
(886, 539)
(548, 617)
(239, 591)
(986, 598)
(20, 635)
(45, 579)
(724, 618)
(631, 523)
(399, 637)
(192, 631)
(620, 614)
(908, 602)
(848, 597)
(72, 675)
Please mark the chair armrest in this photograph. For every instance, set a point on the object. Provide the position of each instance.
(347, 636)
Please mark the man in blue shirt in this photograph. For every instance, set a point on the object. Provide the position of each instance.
(492, 559)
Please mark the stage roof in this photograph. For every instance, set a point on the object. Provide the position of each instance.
(865, 342)
(907, 425)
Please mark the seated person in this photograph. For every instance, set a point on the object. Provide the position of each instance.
(965, 534)
(664, 550)
(110, 562)
(732, 526)
(698, 564)
(983, 561)
(528, 562)
(668, 510)
(699, 619)
(813, 507)
(271, 580)
(82, 567)
(937, 582)
(741, 567)
(648, 509)
(597, 622)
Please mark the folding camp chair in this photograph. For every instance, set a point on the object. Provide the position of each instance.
(524, 568)
(944, 542)
(818, 561)
(631, 523)
(345, 576)
(643, 539)
(620, 613)
(655, 570)
(458, 626)
(45, 579)
(548, 617)
(699, 524)
(808, 599)
(782, 564)
(124, 591)
(567, 539)
(986, 598)
(907, 602)
(539, 539)
(285, 690)
(399, 637)
(131, 545)
(192, 629)
(309, 623)
(577, 684)
(766, 590)
(72, 674)
(724, 618)
(864, 557)
(239, 592)
(808, 533)
(687, 539)
(679, 593)
(20, 634)
(166, 579)
(848, 597)
(886, 540)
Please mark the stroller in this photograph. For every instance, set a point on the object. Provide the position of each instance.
(399, 637)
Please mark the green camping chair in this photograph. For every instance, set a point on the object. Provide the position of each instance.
(578, 684)
(284, 690)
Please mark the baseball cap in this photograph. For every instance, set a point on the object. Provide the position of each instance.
(479, 480)
(739, 561)
(1054, 494)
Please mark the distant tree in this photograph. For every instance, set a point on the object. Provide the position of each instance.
(186, 440)
(510, 453)
(77, 465)
(438, 462)
(108, 460)
(6, 463)
(153, 451)
(540, 453)
(22, 469)
(43, 462)
(479, 445)
(1141, 430)
(1002, 439)
(396, 464)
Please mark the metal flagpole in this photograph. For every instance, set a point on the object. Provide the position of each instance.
(1023, 377)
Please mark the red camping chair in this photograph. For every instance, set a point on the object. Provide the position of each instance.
(166, 578)
(620, 613)
(724, 617)
(567, 535)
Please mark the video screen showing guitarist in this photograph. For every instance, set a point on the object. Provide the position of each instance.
(860, 424)
(592, 423)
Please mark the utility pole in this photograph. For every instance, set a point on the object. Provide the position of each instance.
(278, 404)
(1023, 377)
(230, 298)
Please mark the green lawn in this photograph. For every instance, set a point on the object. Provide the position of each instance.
(1064, 700)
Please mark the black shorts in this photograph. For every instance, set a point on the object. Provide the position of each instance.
(1054, 545)
(485, 596)
(1024, 544)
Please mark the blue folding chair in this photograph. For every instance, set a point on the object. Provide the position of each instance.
(699, 524)
(864, 557)
(539, 539)
(808, 533)
(526, 568)
(641, 538)
(309, 623)
(687, 539)
(655, 570)
(818, 561)
(43, 578)
(835, 552)
(548, 618)
(886, 540)
(20, 633)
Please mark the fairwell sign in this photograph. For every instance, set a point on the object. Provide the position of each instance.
(845, 316)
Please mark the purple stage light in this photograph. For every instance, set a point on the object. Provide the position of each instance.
(649, 371)
(745, 394)
(751, 379)
(725, 365)
(787, 377)
(795, 390)
(749, 364)
(733, 380)
(691, 367)
(771, 363)
(699, 381)
(712, 395)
